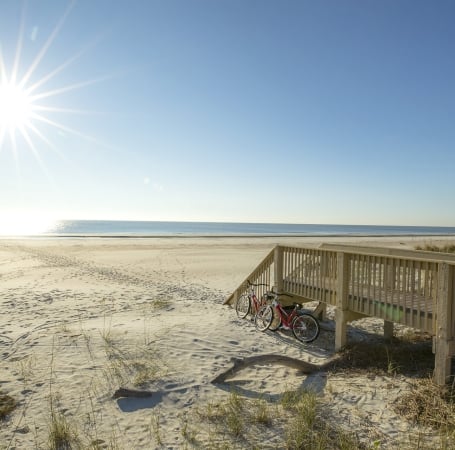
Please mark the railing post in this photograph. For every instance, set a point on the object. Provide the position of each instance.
(388, 329)
(278, 266)
(444, 333)
(342, 289)
(390, 283)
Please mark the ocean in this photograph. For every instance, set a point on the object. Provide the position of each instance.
(155, 229)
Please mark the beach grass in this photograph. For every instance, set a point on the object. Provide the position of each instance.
(7, 405)
(429, 405)
(448, 248)
(296, 422)
(410, 356)
(62, 432)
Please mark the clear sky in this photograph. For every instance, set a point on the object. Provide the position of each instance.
(229, 110)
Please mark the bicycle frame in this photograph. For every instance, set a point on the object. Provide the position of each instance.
(303, 325)
(255, 302)
(286, 318)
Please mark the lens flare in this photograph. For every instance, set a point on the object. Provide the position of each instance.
(23, 110)
(15, 107)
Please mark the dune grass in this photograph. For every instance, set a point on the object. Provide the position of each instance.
(410, 356)
(137, 365)
(7, 405)
(448, 248)
(429, 405)
(296, 421)
(299, 420)
(306, 428)
(62, 433)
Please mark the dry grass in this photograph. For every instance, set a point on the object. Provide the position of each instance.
(306, 429)
(62, 433)
(7, 405)
(137, 365)
(448, 248)
(400, 356)
(424, 404)
(297, 419)
(429, 405)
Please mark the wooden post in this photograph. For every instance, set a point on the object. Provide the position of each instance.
(324, 264)
(321, 311)
(278, 265)
(390, 283)
(444, 333)
(388, 329)
(341, 312)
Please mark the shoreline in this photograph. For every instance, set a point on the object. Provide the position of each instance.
(227, 236)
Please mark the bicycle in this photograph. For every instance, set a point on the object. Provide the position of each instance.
(304, 326)
(248, 303)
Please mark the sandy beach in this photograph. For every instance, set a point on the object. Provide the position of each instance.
(81, 318)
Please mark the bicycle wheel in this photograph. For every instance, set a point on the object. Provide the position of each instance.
(276, 321)
(263, 318)
(242, 306)
(305, 328)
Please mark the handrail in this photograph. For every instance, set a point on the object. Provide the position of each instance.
(261, 271)
(390, 251)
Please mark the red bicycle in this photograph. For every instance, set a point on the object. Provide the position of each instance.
(249, 303)
(304, 326)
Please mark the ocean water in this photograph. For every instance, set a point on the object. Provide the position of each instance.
(151, 229)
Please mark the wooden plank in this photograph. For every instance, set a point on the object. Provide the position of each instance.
(342, 300)
(444, 325)
(391, 252)
(278, 268)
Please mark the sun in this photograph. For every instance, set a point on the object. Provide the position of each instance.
(27, 111)
(16, 107)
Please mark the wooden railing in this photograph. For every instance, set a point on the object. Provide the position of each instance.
(263, 274)
(416, 289)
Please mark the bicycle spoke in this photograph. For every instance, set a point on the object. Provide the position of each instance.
(263, 318)
(242, 306)
(305, 328)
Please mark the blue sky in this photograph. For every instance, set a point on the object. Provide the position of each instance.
(232, 110)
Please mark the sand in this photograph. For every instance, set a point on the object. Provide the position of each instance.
(80, 318)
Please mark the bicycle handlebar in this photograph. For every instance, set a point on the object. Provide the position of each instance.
(252, 284)
(279, 294)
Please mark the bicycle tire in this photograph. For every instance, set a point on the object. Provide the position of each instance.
(305, 328)
(243, 306)
(263, 318)
(276, 321)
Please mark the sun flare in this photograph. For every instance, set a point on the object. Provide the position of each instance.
(15, 107)
(25, 224)
(27, 110)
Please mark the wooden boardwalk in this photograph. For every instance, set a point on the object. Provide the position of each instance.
(416, 289)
